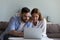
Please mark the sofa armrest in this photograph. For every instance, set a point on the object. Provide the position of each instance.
(3, 26)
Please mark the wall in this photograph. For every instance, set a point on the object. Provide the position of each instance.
(8, 8)
(49, 8)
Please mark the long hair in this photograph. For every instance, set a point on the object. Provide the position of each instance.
(35, 10)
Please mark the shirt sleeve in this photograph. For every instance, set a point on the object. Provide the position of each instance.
(28, 25)
(11, 25)
(44, 26)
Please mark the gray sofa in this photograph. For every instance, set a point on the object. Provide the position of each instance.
(3, 26)
(53, 30)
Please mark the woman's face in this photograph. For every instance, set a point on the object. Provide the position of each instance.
(35, 17)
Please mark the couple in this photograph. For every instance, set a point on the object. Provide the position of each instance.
(17, 23)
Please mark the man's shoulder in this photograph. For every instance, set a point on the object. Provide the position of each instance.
(15, 17)
(29, 23)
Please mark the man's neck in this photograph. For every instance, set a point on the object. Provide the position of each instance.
(23, 21)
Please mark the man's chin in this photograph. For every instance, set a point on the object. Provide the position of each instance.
(26, 21)
(34, 21)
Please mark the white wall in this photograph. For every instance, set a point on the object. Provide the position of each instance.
(8, 8)
(49, 8)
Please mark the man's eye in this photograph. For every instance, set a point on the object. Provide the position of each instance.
(35, 16)
(24, 16)
(27, 16)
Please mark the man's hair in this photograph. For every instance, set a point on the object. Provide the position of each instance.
(25, 10)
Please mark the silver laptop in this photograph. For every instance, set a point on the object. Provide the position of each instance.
(32, 33)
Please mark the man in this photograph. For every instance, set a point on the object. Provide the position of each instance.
(17, 23)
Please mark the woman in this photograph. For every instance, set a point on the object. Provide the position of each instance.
(38, 21)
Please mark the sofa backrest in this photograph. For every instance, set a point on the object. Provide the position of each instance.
(53, 28)
(3, 26)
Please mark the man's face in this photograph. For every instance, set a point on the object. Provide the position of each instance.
(26, 17)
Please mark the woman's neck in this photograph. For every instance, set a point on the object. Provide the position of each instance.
(34, 23)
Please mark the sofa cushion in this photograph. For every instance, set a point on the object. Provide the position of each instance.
(53, 28)
(53, 35)
(3, 26)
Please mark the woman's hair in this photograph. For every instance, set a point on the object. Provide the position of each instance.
(35, 10)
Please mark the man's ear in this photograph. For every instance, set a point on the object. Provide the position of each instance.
(20, 14)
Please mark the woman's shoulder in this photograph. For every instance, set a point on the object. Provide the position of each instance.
(44, 20)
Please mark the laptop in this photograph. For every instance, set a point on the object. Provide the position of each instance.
(32, 33)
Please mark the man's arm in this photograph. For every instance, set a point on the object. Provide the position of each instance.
(12, 26)
(15, 33)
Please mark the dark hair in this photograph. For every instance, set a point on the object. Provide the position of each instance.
(25, 10)
(35, 10)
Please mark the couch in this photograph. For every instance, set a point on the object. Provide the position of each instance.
(53, 30)
(3, 26)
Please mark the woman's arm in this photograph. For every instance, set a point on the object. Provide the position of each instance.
(44, 26)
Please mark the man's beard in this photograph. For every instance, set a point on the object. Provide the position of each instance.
(24, 20)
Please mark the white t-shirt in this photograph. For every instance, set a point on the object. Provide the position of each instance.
(21, 27)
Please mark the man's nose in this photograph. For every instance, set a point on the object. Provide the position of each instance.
(34, 17)
(27, 17)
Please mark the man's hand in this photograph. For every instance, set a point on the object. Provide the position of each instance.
(15, 33)
(21, 34)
